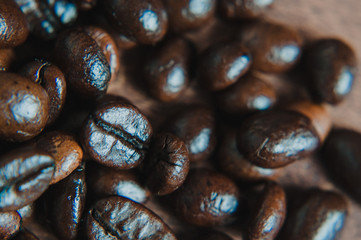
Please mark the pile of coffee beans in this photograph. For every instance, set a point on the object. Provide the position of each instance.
(222, 100)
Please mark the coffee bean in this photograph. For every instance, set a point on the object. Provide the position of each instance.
(167, 69)
(26, 212)
(84, 65)
(25, 174)
(85, 5)
(116, 134)
(206, 199)
(10, 223)
(7, 57)
(143, 21)
(189, 14)
(235, 9)
(24, 107)
(121, 218)
(269, 214)
(223, 64)
(167, 164)
(25, 234)
(331, 64)
(52, 80)
(275, 139)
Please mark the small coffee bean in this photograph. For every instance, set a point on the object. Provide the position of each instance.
(206, 199)
(195, 126)
(83, 63)
(274, 47)
(13, 25)
(189, 14)
(235, 9)
(24, 175)
(51, 78)
(24, 107)
(269, 214)
(143, 21)
(64, 149)
(167, 69)
(85, 5)
(25, 234)
(121, 218)
(223, 64)
(116, 134)
(167, 164)
(10, 223)
(331, 64)
(7, 57)
(276, 139)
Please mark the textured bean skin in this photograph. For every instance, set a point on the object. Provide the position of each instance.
(10, 223)
(133, 221)
(235, 9)
(24, 106)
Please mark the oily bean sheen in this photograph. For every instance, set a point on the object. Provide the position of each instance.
(85, 5)
(119, 218)
(206, 199)
(24, 175)
(275, 139)
(116, 134)
(331, 64)
(167, 164)
(321, 215)
(24, 107)
(13, 26)
(51, 78)
(235, 9)
(10, 223)
(189, 14)
(269, 214)
(83, 63)
(143, 21)
(223, 64)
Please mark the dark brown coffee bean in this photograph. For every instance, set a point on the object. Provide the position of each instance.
(269, 214)
(167, 69)
(24, 107)
(117, 134)
(189, 14)
(10, 223)
(25, 234)
(85, 5)
(121, 218)
(321, 215)
(167, 164)
(235, 9)
(251, 93)
(7, 57)
(331, 64)
(275, 139)
(206, 199)
(195, 126)
(51, 78)
(83, 63)
(14, 28)
(143, 21)
(24, 175)
(64, 149)
(274, 47)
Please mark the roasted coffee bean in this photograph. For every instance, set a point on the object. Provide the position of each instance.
(143, 21)
(276, 139)
(206, 199)
(195, 126)
(26, 212)
(10, 223)
(64, 149)
(167, 69)
(25, 234)
(84, 65)
(320, 215)
(189, 14)
(269, 214)
(251, 93)
(13, 25)
(51, 78)
(331, 64)
(24, 175)
(24, 107)
(116, 134)
(167, 164)
(274, 47)
(236, 165)
(85, 5)
(235, 9)
(7, 57)
(121, 218)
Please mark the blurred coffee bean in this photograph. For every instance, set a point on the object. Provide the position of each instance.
(241, 9)
(207, 235)
(25, 234)
(10, 223)
(7, 57)
(85, 5)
